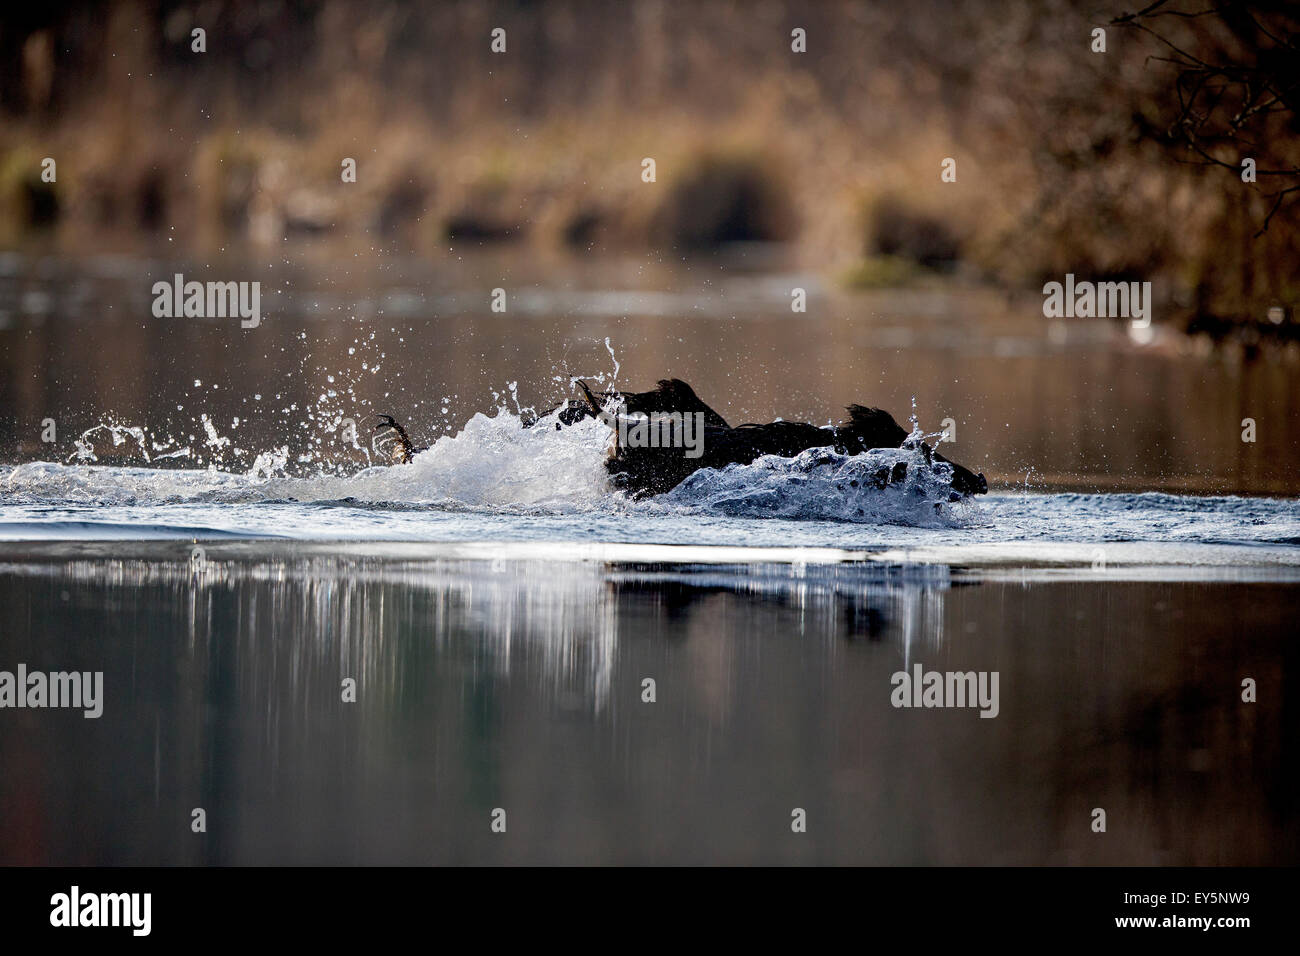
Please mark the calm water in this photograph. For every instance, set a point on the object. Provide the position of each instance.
(200, 531)
(519, 686)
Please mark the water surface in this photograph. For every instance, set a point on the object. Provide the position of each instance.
(517, 684)
(203, 532)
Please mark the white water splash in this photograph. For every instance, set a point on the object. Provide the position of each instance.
(215, 441)
(85, 446)
(492, 463)
(613, 358)
(495, 465)
(821, 484)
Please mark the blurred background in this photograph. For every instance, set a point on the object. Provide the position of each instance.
(775, 170)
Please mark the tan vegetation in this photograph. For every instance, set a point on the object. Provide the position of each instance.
(836, 151)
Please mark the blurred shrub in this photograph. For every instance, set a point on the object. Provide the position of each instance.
(718, 199)
(896, 230)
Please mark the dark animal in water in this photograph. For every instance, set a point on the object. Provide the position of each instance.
(400, 448)
(644, 470)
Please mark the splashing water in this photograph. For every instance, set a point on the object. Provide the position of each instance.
(492, 464)
(495, 464)
(821, 484)
(613, 358)
(85, 446)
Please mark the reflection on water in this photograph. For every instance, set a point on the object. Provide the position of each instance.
(518, 685)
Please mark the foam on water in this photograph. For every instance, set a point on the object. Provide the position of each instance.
(820, 484)
(495, 464)
(492, 463)
(501, 485)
